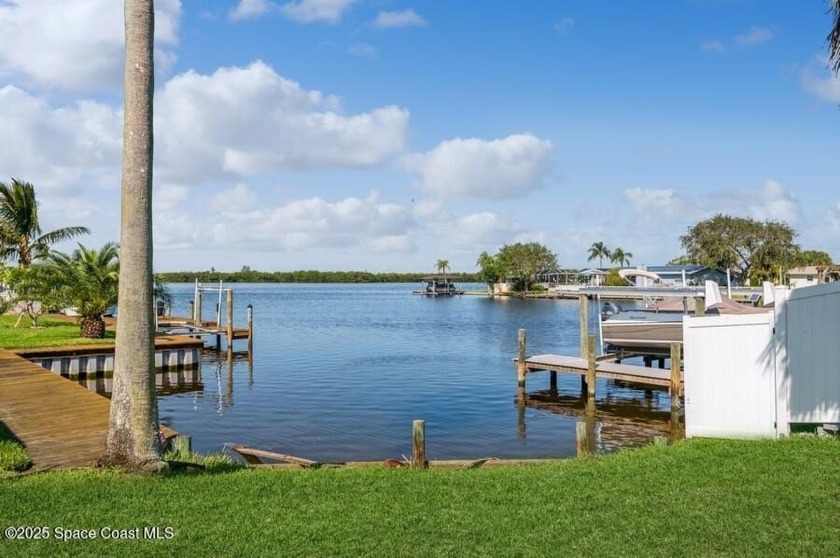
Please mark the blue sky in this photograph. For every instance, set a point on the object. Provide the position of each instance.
(386, 134)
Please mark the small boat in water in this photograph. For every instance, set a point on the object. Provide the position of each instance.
(439, 286)
(652, 329)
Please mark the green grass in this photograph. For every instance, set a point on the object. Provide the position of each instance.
(697, 498)
(12, 455)
(49, 333)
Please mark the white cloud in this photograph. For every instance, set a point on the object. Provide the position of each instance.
(240, 197)
(770, 201)
(167, 197)
(820, 82)
(664, 201)
(755, 36)
(245, 121)
(833, 217)
(405, 18)
(474, 168)
(76, 46)
(57, 148)
(352, 222)
(249, 9)
(311, 11)
(565, 25)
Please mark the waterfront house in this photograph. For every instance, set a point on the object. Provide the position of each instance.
(807, 275)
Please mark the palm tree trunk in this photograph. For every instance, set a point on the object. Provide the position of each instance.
(133, 429)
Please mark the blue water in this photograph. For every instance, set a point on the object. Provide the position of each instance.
(339, 372)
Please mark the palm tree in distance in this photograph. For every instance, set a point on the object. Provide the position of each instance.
(442, 266)
(834, 38)
(620, 257)
(598, 250)
(21, 236)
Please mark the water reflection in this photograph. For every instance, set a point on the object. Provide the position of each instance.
(620, 418)
(167, 382)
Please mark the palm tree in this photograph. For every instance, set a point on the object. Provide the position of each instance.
(620, 257)
(88, 280)
(834, 38)
(133, 429)
(20, 232)
(489, 267)
(442, 266)
(598, 250)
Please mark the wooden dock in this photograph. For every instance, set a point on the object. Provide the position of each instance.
(633, 374)
(61, 423)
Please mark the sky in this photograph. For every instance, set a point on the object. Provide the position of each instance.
(384, 135)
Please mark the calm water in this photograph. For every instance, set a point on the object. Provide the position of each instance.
(340, 371)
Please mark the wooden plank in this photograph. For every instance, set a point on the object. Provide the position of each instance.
(257, 453)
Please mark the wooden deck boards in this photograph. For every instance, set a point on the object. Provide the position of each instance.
(641, 375)
(61, 423)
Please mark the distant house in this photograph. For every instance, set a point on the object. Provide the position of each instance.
(804, 276)
(593, 277)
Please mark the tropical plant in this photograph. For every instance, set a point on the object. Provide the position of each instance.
(21, 236)
(620, 257)
(133, 438)
(834, 38)
(88, 279)
(598, 250)
(489, 268)
(521, 261)
(754, 250)
(814, 257)
(442, 266)
(34, 289)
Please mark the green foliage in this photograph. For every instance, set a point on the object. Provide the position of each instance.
(620, 257)
(599, 250)
(442, 266)
(754, 250)
(833, 38)
(613, 279)
(489, 268)
(813, 257)
(88, 278)
(521, 261)
(695, 498)
(35, 289)
(681, 260)
(21, 236)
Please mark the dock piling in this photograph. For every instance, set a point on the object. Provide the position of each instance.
(520, 363)
(230, 320)
(418, 446)
(584, 323)
(676, 359)
(590, 369)
(250, 328)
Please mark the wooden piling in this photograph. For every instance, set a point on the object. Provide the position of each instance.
(699, 306)
(191, 311)
(581, 438)
(520, 363)
(418, 446)
(197, 315)
(552, 381)
(230, 320)
(676, 377)
(250, 309)
(584, 323)
(591, 364)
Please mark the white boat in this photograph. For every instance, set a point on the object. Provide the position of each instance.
(652, 329)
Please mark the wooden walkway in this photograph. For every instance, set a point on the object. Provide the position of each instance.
(61, 423)
(633, 374)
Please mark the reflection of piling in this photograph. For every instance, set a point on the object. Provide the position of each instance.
(521, 399)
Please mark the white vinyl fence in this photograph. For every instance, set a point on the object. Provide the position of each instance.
(755, 374)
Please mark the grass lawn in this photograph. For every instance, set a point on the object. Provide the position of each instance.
(697, 498)
(49, 333)
(12, 456)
